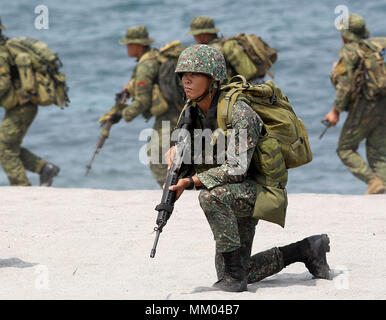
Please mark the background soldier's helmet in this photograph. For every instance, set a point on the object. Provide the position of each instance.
(1, 26)
(356, 28)
(137, 34)
(202, 24)
(201, 58)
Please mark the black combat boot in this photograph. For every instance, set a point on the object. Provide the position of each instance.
(234, 279)
(47, 174)
(312, 252)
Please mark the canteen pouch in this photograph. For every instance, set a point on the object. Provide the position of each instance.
(26, 73)
(271, 204)
(45, 90)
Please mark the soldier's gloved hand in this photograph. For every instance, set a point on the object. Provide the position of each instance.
(116, 117)
(102, 120)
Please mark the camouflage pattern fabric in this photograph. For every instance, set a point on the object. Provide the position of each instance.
(347, 63)
(137, 34)
(217, 43)
(365, 120)
(204, 59)
(159, 137)
(356, 28)
(228, 202)
(202, 24)
(15, 159)
(8, 94)
(234, 59)
(144, 77)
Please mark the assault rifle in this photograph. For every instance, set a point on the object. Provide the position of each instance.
(328, 125)
(120, 97)
(165, 208)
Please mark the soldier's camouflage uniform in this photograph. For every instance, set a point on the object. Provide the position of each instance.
(144, 77)
(228, 199)
(18, 118)
(367, 120)
(204, 24)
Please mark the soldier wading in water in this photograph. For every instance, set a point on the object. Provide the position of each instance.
(228, 199)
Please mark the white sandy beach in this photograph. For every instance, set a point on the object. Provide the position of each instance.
(95, 244)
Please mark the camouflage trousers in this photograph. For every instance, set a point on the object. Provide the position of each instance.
(156, 154)
(228, 209)
(366, 122)
(14, 158)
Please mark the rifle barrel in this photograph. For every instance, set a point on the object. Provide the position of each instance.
(152, 253)
(88, 167)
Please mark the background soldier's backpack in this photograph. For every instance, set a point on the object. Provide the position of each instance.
(372, 67)
(169, 82)
(38, 72)
(252, 55)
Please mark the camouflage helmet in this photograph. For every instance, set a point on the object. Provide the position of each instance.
(201, 58)
(202, 24)
(356, 28)
(137, 34)
(2, 27)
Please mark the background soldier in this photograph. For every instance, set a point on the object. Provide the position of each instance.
(229, 190)
(237, 60)
(366, 114)
(20, 112)
(147, 97)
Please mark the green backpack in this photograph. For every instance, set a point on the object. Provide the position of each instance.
(249, 54)
(372, 67)
(38, 73)
(169, 82)
(273, 107)
(284, 143)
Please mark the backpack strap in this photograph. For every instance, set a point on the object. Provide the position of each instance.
(181, 118)
(225, 107)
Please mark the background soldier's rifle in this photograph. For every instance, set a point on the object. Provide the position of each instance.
(120, 97)
(165, 208)
(328, 125)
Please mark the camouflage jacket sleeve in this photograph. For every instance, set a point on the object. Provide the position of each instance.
(243, 139)
(348, 60)
(145, 76)
(6, 87)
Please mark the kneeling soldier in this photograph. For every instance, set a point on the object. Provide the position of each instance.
(229, 189)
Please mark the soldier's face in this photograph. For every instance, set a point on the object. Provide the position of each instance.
(203, 38)
(133, 49)
(195, 84)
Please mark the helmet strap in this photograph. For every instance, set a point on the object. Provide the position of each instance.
(213, 85)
